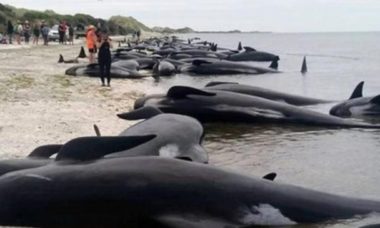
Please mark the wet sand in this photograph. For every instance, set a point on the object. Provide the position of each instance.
(40, 105)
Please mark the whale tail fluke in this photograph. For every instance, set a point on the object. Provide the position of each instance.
(304, 66)
(82, 53)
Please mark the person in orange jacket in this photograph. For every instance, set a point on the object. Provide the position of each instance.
(91, 43)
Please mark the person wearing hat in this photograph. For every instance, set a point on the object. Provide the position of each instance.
(27, 30)
(91, 42)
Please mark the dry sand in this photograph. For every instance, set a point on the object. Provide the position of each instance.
(39, 104)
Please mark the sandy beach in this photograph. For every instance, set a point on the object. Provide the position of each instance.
(41, 105)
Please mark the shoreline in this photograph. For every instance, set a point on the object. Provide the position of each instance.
(41, 105)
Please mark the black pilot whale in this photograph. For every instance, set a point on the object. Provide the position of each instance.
(161, 192)
(177, 136)
(215, 105)
(357, 105)
(265, 93)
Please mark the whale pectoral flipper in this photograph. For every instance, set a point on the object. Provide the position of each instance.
(145, 112)
(270, 176)
(91, 148)
(376, 100)
(358, 91)
(214, 83)
(178, 92)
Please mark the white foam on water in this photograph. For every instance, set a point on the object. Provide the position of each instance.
(169, 151)
(266, 214)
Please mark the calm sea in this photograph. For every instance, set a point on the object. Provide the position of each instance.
(340, 161)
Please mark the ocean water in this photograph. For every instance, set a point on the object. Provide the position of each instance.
(339, 161)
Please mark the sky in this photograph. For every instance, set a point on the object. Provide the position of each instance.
(224, 15)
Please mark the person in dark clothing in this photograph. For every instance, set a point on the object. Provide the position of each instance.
(71, 34)
(104, 59)
(62, 32)
(10, 31)
(36, 33)
(27, 31)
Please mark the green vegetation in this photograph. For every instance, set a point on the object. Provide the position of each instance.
(170, 30)
(130, 24)
(115, 25)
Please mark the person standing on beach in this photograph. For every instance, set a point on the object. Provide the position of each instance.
(91, 43)
(45, 32)
(18, 32)
(27, 30)
(71, 34)
(62, 31)
(104, 59)
(10, 30)
(36, 33)
(138, 33)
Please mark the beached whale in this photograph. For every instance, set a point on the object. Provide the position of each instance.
(161, 192)
(163, 68)
(265, 93)
(38, 157)
(223, 67)
(357, 105)
(215, 105)
(250, 54)
(177, 136)
(92, 70)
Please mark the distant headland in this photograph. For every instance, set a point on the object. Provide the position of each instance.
(116, 25)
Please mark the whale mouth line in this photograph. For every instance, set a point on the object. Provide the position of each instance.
(37, 177)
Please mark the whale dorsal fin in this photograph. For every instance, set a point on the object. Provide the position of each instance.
(178, 92)
(246, 48)
(198, 62)
(141, 113)
(91, 148)
(219, 83)
(270, 176)
(240, 46)
(61, 60)
(358, 91)
(45, 151)
(376, 100)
